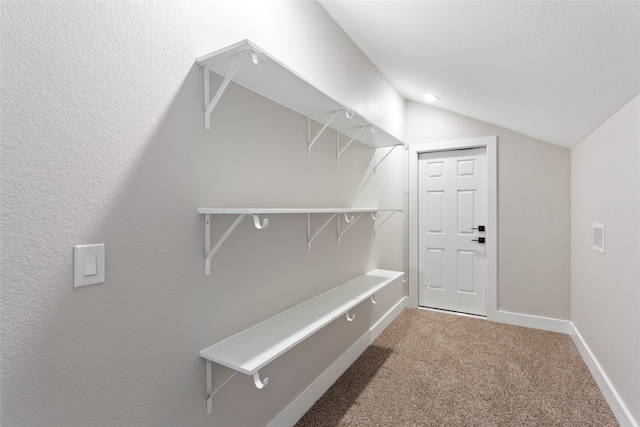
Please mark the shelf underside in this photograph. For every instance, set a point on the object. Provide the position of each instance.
(277, 82)
(267, 211)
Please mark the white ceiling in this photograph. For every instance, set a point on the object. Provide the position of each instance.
(552, 70)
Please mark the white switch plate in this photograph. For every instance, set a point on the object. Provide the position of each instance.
(88, 261)
(597, 235)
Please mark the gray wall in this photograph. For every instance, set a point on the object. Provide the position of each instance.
(533, 210)
(103, 142)
(605, 288)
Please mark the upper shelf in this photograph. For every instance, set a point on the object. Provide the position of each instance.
(268, 77)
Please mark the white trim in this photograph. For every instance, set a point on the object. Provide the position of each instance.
(491, 145)
(612, 397)
(301, 404)
(530, 321)
(453, 313)
(517, 319)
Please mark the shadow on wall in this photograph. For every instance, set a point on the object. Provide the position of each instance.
(137, 337)
(129, 337)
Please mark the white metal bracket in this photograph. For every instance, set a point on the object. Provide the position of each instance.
(309, 237)
(350, 222)
(376, 164)
(257, 58)
(339, 151)
(211, 392)
(376, 216)
(209, 388)
(310, 141)
(208, 252)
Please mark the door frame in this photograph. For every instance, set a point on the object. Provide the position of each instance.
(490, 143)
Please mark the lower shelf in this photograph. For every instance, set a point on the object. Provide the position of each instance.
(250, 350)
(253, 348)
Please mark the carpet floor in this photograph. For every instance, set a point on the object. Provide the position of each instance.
(437, 369)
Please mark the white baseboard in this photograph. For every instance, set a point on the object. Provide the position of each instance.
(612, 397)
(529, 321)
(307, 398)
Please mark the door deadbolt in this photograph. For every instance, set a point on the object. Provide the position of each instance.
(479, 240)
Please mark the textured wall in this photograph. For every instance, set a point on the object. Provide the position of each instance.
(103, 142)
(605, 288)
(533, 210)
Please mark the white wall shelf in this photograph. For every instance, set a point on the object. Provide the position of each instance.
(209, 252)
(251, 67)
(250, 350)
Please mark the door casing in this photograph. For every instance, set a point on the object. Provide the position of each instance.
(491, 145)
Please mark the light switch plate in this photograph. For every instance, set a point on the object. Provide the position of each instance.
(597, 235)
(88, 261)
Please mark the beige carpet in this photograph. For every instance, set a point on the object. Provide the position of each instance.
(438, 369)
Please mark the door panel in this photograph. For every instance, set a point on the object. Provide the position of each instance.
(435, 212)
(466, 271)
(435, 270)
(466, 211)
(452, 194)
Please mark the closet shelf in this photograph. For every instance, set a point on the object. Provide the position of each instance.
(209, 252)
(251, 67)
(250, 350)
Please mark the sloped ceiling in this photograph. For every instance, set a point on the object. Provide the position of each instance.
(552, 70)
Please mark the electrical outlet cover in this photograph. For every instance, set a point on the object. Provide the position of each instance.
(598, 237)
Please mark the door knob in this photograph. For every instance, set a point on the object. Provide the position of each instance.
(479, 228)
(479, 240)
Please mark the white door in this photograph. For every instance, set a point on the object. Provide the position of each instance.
(452, 248)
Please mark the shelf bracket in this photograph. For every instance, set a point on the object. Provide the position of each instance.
(376, 226)
(209, 388)
(309, 237)
(256, 58)
(209, 253)
(338, 150)
(310, 142)
(376, 164)
(211, 392)
(353, 221)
